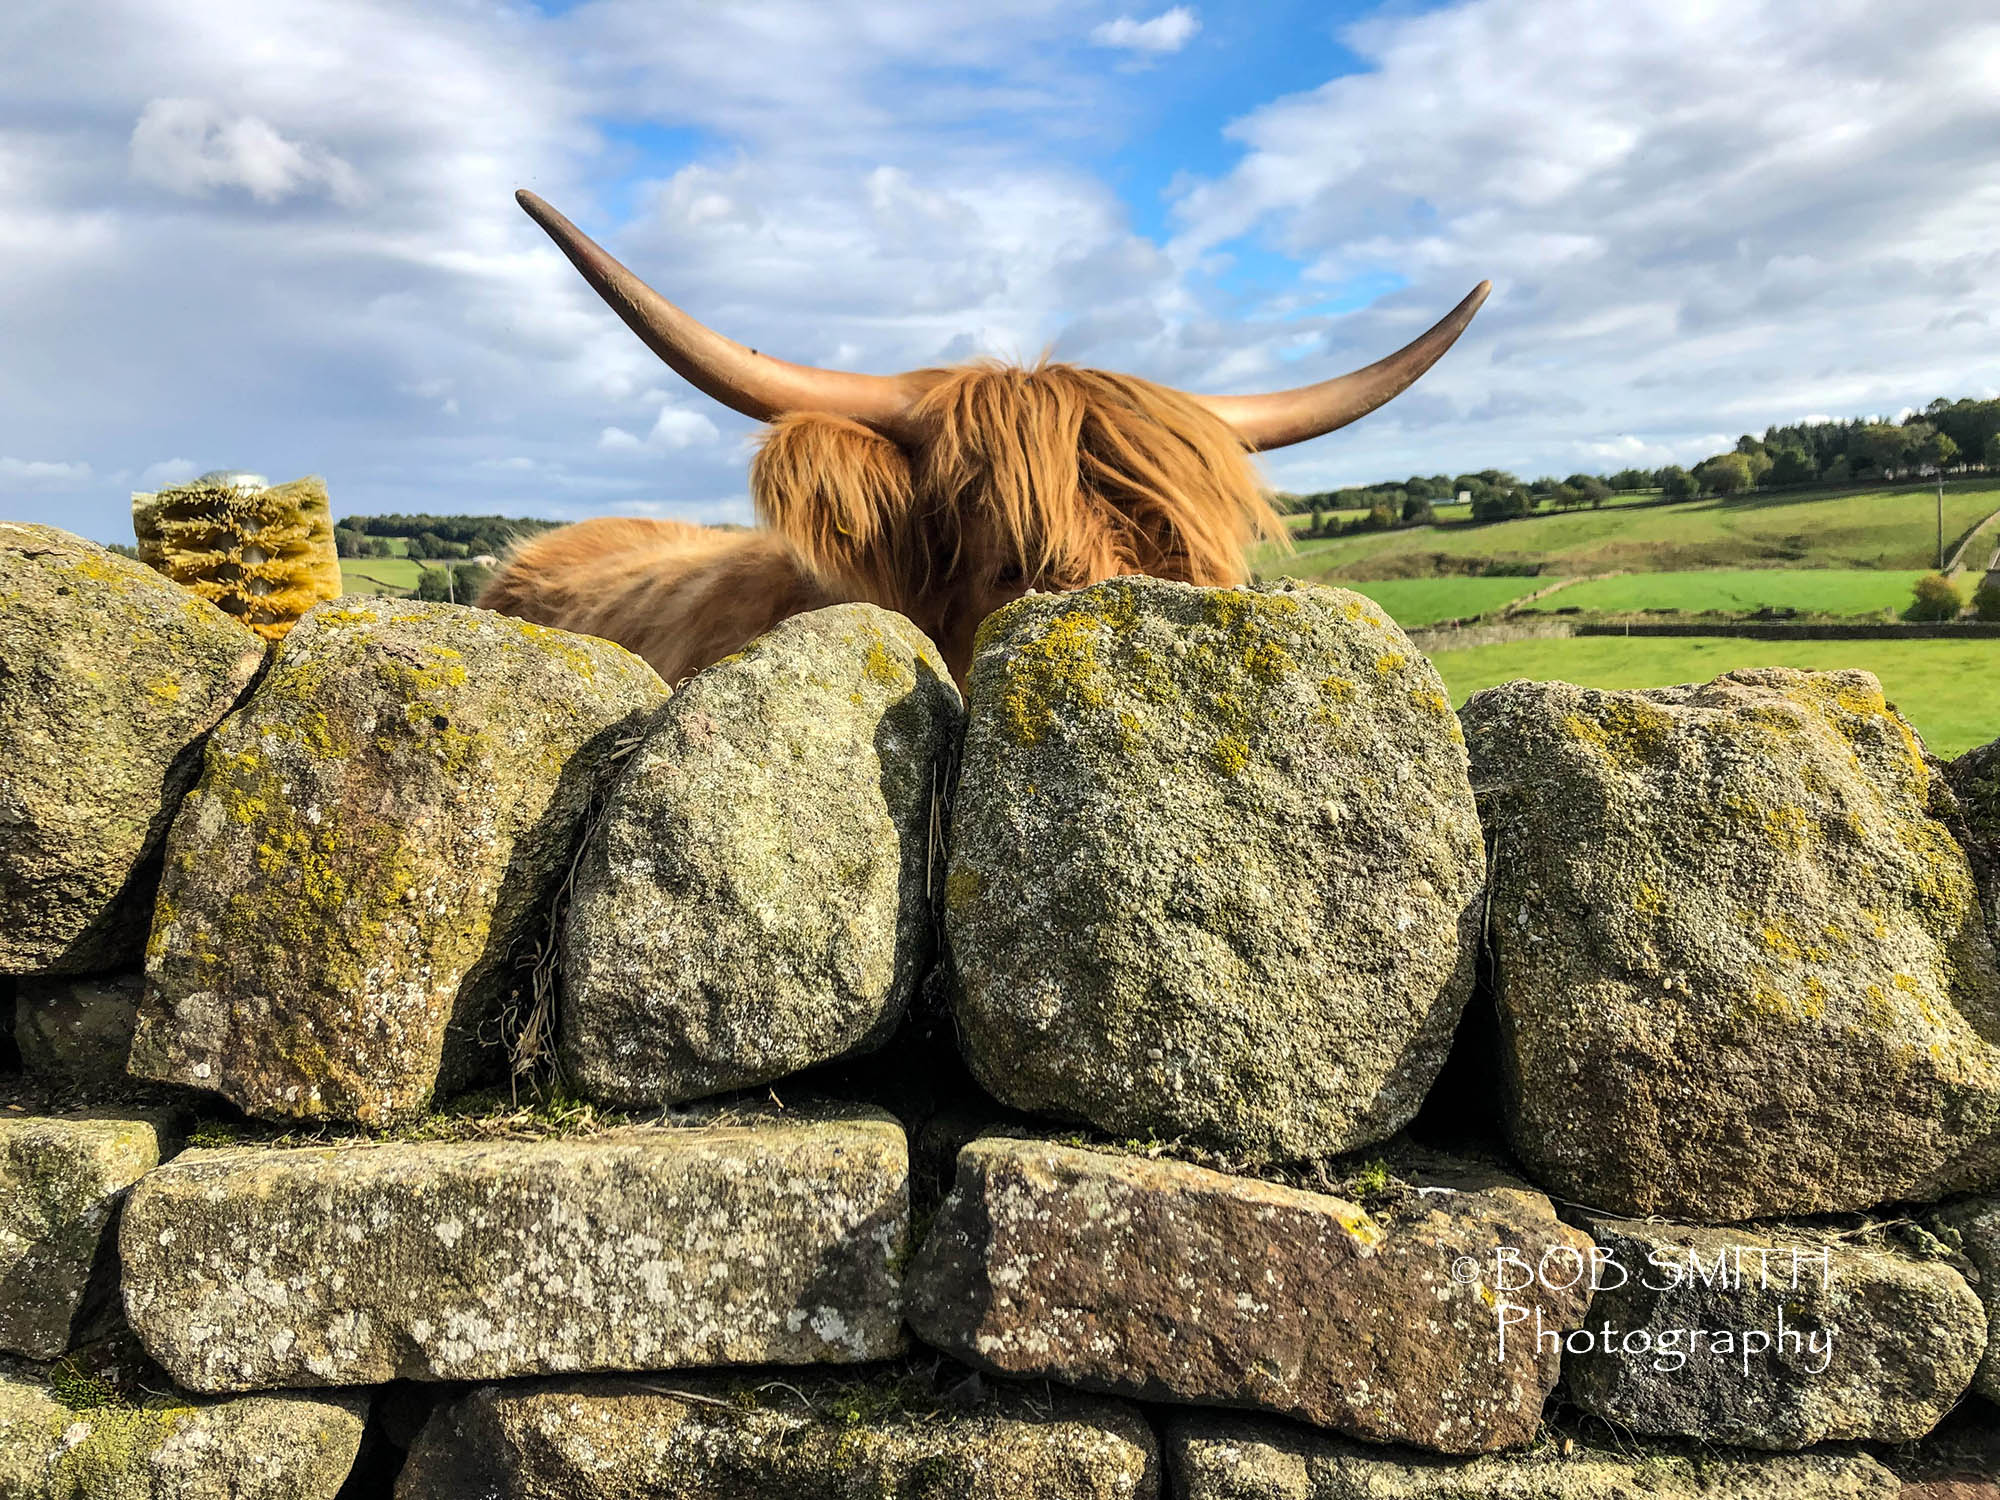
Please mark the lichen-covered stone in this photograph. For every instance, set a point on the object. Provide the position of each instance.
(1772, 1339)
(1740, 962)
(1215, 1457)
(1170, 1282)
(778, 1434)
(778, 1240)
(1975, 778)
(1972, 1227)
(755, 898)
(77, 1031)
(288, 1445)
(109, 677)
(61, 1181)
(1215, 866)
(372, 835)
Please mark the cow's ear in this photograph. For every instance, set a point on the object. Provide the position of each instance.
(841, 494)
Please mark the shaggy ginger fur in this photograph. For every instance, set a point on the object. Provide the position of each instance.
(1051, 477)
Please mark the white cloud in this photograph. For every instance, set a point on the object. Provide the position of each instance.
(1684, 237)
(190, 147)
(682, 429)
(38, 474)
(1169, 31)
(169, 471)
(1679, 235)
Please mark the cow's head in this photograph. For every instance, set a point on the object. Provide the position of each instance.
(943, 493)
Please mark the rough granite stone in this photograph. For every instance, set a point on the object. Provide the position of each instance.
(1860, 1342)
(1171, 1282)
(1740, 963)
(1215, 865)
(704, 1438)
(77, 1031)
(1975, 778)
(1973, 1228)
(372, 835)
(1215, 1457)
(62, 1178)
(754, 899)
(288, 1445)
(778, 1240)
(109, 678)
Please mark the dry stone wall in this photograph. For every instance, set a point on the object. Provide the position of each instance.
(1199, 1064)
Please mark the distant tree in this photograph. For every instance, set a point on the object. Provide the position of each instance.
(1417, 510)
(1760, 464)
(1318, 526)
(1937, 451)
(1970, 424)
(1991, 452)
(1626, 480)
(1677, 484)
(1493, 504)
(123, 549)
(434, 584)
(1986, 598)
(1790, 466)
(1380, 518)
(348, 542)
(1838, 470)
(1416, 487)
(1725, 474)
(1589, 488)
(1747, 445)
(1937, 598)
(1885, 447)
(469, 578)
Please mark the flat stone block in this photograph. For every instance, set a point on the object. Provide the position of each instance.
(774, 1241)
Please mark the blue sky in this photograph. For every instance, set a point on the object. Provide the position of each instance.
(279, 234)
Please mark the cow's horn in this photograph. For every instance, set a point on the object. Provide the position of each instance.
(755, 384)
(1307, 411)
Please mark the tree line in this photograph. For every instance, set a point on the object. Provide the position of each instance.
(432, 538)
(1946, 436)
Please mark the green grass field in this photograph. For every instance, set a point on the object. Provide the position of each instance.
(1828, 591)
(1412, 602)
(1873, 529)
(378, 575)
(1945, 688)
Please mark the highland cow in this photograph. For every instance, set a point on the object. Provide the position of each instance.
(938, 493)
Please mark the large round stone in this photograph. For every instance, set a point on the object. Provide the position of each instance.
(1741, 965)
(376, 838)
(756, 896)
(109, 677)
(1215, 865)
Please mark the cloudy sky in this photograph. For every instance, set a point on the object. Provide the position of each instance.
(280, 234)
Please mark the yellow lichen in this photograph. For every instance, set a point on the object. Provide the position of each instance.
(880, 667)
(1231, 754)
(1648, 900)
(1057, 669)
(962, 888)
(1788, 828)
